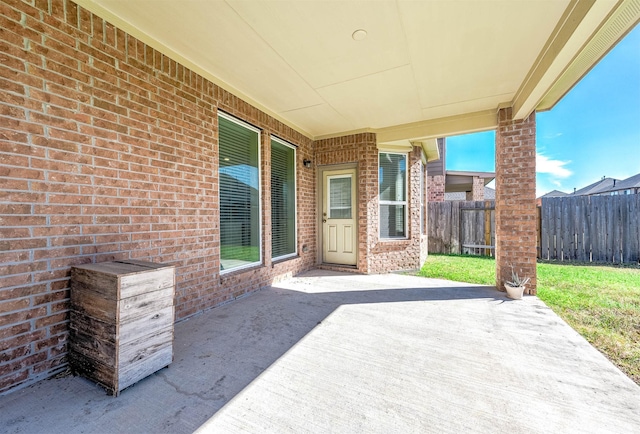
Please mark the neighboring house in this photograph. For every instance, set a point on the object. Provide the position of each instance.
(555, 193)
(603, 186)
(465, 185)
(246, 142)
(552, 193)
(489, 194)
(629, 185)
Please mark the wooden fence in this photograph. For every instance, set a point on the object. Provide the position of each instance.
(591, 228)
(582, 228)
(461, 227)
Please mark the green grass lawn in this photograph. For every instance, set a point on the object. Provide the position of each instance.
(601, 303)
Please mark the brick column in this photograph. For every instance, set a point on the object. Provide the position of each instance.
(477, 189)
(515, 198)
(435, 188)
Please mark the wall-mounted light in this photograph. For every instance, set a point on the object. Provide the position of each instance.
(307, 163)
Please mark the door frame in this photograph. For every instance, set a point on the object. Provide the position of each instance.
(319, 205)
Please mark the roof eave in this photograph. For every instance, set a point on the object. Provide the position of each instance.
(588, 31)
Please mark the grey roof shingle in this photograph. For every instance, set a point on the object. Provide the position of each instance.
(555, 193)
(598, 187)
(631, 182)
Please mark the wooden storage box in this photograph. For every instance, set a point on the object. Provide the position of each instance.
(122, 316)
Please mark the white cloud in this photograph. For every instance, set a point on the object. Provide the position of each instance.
(553, 136)
(554, 168)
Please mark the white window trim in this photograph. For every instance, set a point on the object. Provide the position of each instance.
(295, 205)
(260, 210)
(395, 202)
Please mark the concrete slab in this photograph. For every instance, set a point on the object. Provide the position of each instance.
(332, 352)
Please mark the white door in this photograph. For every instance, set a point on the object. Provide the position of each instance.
(339, 213)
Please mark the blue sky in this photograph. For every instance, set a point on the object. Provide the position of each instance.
(594, 131)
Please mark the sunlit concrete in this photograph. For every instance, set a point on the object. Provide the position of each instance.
(330, 352)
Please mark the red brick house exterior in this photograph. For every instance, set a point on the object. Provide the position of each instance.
(109, 151)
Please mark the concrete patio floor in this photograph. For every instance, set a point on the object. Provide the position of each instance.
(331, 352)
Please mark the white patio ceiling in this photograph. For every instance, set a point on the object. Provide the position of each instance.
(425, 68)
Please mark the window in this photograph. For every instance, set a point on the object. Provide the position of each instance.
(339, 203)
(283, 200)
(393, 195)
(239, 173)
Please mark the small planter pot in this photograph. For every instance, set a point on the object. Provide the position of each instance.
(514, 292)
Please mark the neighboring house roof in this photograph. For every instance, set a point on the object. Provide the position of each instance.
(489, 194)
(599, 187)
(455, 181)
(603, 186)
(555, 193)
(631, 182)
(462, 181)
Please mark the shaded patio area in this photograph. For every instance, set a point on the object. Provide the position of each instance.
(332, 352)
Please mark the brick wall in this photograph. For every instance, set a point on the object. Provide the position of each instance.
(109, 151)
(477, 189)
(516, 198)
(375, 255)
(359, 149)
(435, 188)
(391, 255)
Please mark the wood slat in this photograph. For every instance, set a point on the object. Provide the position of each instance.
(146, 325)
(139, 283)
(141, 305)
(134, 372)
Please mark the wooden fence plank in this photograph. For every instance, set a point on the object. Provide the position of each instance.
(544, 229)
(582, 215)
(566, 230)
(633, 240)
(608, 224)
(552, 230)
(626, 232)
(455, 227)
(618, 223)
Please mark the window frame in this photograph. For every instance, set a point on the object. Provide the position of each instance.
(349, 176)
(390, 202)
(260, 205)
(295, 199)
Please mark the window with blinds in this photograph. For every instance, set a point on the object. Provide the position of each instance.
(239, 180)
(392, 179)
(283, 200)
(340, 197)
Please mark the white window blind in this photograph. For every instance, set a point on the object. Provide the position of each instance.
(340, 197)
(393, 195)
(239, 194)
(283, 200)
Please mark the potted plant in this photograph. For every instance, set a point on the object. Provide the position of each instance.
(515, 286)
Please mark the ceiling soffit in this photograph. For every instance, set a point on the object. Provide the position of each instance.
(622, 21)
(571, 50)
(426, 69)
